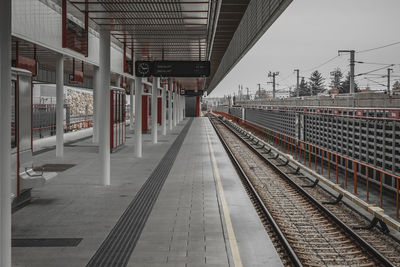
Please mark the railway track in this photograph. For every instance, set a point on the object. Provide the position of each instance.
(304, 231)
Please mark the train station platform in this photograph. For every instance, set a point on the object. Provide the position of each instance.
(181, 204)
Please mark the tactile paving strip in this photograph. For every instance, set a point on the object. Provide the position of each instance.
(45, 242)
(117, 248)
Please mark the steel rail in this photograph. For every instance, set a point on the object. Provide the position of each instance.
(328, 213)
(292, 254)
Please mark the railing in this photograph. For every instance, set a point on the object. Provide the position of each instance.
(73, 126)
(308, 153)
(383, 114)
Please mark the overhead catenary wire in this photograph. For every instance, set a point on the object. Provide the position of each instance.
(374, 70)
(376, 75)
(285, 78)
(322, 64)
(381, 84)
(377, 48)
(375, 63)
(385, 65)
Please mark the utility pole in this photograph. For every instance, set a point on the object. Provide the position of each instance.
(388, 81)
(297, 85)
(273, 75)
(352, 59)
(259, 90)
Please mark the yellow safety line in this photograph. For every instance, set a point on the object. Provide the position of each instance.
(231, 233)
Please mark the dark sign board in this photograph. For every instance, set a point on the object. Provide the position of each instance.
(172, 68)
(192, 93)
(181, 69)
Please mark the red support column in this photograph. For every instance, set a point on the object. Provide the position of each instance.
(124, 55)
(64, 22)
(144, 113)
(86, 28)
(118, 104)
(197, 106)
(73, 69)
(159, 106)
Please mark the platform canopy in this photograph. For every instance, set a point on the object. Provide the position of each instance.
(220, 31)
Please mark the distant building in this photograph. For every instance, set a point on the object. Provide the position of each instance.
(396, 86)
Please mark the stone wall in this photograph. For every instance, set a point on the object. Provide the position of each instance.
(80, 102)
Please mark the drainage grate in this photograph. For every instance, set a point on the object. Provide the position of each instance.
(45, 242)
(159, 141)
(73, 145)
(117, 248)
(53, 167)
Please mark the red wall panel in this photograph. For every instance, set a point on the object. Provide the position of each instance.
(159, 105)
(197, 106)
(144, 113)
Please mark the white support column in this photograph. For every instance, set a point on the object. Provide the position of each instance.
(138, 116)
(104, 93)
(184, 106)
(175, 102)
(178, 104)
(181, 107)
(5, 134)
(170, 120)
(96, 104)
(154, 108)
(163, 110)
(131, 127)
(59, 105)
(118, 81)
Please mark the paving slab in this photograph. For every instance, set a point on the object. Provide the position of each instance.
(187, 214)
(75, 205)
(185, 228)
(255, 246)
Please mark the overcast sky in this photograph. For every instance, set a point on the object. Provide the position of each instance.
(310, 32)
